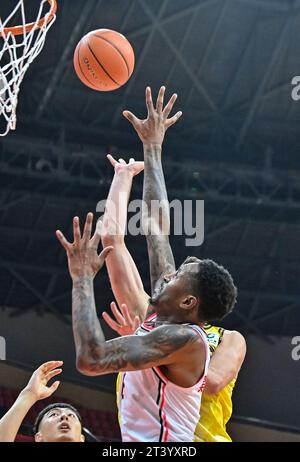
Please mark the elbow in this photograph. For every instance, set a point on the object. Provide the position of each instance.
(86, 366)
(83, 366)
(214, 383)
(213, 387)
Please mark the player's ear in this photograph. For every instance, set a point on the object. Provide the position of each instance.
(189, 302)
(38, 437)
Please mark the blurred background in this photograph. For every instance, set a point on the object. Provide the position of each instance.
(236, 147)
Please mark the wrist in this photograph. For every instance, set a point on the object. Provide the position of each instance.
(124, 173)
(84, 279)
(152, 154)
(152, 145)
(28, 396)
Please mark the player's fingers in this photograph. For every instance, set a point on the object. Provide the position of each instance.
(49, 365)
(140, 166)
(76, 231)
(66, 244)
(103, 255)
(110, 322)
(136, 323)
(169, 106)
(97, 235)
(52, 374)
(126, 315)
(122, 161)
(173, 119)
(125, 312)
(87, 228)
(149, 102)
(131, 117)
(131, 160)
(160, 99)
(100, 227)
(54, 387)
(118, 316)
(112, 160)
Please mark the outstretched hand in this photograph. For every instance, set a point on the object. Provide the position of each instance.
(82, 253)
(38, 383)
(133, 167)
(152, 130)
(124, 324)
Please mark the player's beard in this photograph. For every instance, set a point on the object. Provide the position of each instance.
(154, 300)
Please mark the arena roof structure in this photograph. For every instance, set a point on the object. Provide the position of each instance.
(236, 147)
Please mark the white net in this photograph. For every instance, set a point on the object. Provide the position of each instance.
(19, 46)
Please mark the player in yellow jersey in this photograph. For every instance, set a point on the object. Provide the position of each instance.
(228, 348)
(216, 404)
(228, 351)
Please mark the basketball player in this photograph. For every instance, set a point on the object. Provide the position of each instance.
(165, 363)
(228, 348)
(58, 422)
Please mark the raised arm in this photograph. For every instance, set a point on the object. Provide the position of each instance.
(165, 345)
(84, 263)
(35, 390)
(123, 274)
(156, 220)
(226, 362)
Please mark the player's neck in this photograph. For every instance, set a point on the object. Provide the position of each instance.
(175, 318)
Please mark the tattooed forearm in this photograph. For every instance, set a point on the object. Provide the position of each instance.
(87, 331)
(136, 353)
(156, 221)
(95, 356)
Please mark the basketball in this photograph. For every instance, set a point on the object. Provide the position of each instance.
(104, 60)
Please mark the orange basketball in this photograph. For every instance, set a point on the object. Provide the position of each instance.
(104, 60)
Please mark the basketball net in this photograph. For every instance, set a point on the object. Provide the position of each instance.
(19, 46)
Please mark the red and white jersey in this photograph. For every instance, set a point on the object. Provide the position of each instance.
(153, 409)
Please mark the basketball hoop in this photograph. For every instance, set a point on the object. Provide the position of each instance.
(19, 46)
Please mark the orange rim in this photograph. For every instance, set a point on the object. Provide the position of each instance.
(19, 30)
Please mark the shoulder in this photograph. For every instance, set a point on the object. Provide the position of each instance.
(234, 339)
(175, 335)
(234, 336)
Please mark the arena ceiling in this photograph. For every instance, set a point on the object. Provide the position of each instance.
(237, 147)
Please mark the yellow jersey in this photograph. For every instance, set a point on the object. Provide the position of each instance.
(216, 409)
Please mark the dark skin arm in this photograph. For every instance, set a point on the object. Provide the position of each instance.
(173, 346)
(151, 132)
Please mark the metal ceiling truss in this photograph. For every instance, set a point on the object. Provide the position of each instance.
(79, 166)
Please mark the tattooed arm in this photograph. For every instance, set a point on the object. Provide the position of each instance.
(84, 263)
(151, 132)
(160, 254)
(165, 345)
(95, 356)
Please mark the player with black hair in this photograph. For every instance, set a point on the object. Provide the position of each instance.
(58, 422)
(165, 363)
